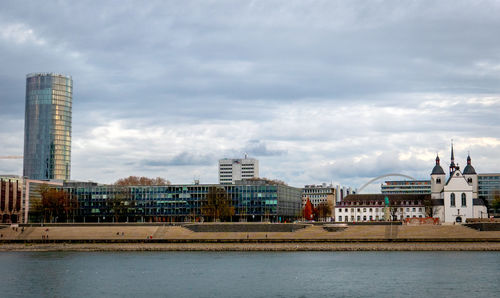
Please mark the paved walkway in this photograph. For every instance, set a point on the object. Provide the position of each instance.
(309, 233)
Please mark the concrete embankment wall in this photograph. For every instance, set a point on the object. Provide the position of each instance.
(484, 226)
(243, 228)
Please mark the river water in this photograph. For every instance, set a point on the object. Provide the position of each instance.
(250, 274)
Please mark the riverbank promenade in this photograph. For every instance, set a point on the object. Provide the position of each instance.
(303, 237)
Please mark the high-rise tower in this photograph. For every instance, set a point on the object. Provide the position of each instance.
(47, 126)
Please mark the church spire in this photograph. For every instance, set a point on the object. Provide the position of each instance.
(452, 164)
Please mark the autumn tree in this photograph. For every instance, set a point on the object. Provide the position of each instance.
(135, 180)
(56, 204)
(308, 210)
(268, 181)
(217, 205)
(322, 211)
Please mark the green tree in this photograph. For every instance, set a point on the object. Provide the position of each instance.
(217, 205)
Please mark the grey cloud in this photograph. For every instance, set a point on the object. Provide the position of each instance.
(182, 159)
(265, 73)
(260, 148)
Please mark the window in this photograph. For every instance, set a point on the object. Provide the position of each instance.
(438, 180)
(364, 218)
(413, 209)
(340, 218)
(464, 199)
(452, 200)
(359, 218)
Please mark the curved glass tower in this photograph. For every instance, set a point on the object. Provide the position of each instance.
(47, 126)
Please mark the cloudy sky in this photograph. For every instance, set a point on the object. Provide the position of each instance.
(318, 91)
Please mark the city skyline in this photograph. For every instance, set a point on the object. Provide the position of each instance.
(317, 92)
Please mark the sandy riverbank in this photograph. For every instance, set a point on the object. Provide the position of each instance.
(378, 246)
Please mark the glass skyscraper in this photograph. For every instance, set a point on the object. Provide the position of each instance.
(47, 126)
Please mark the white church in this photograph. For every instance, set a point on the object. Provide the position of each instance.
(455, 200)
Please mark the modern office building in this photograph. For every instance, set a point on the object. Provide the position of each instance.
(47, 126)
(406, 187)
(318, 194)
(488, 186)
(251, 200)
(232, 170)
(32, 198)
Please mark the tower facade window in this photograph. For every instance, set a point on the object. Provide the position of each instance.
(464, 199)
(47, 126)
(452, 200)
(438, 180)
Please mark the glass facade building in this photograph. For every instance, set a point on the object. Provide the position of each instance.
(179, 203)
(406, 187)
(488, 185)
(47, 126)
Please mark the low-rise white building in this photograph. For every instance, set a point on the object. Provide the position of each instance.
(373, 207)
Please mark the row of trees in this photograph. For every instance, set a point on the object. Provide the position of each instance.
(135, 180)
(55, 205)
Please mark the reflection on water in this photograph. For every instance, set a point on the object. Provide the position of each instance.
(250, 274)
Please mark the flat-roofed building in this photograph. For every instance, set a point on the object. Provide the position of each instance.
(488, 187)
(318, 194)
(235, 169)
(252, 200)
(372, 207)
(406, 187)
(32, 198)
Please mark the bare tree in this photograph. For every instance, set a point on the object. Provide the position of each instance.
(119, 203)
(217, 204)
(430, 209)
